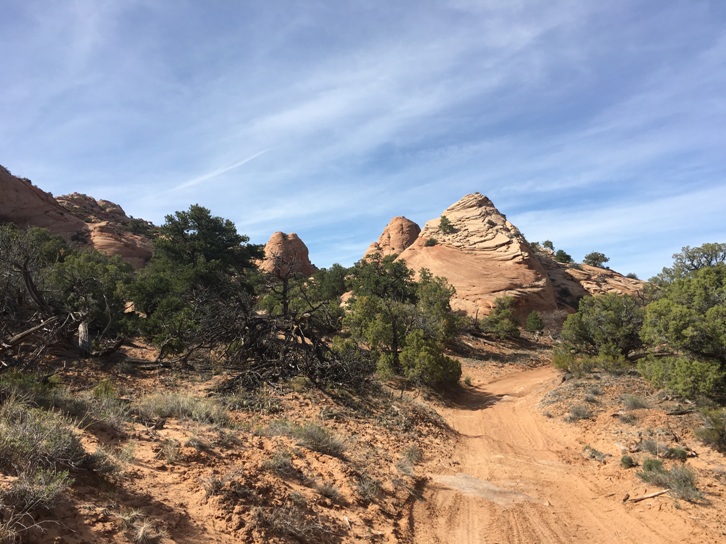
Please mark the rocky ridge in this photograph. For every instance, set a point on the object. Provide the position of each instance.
(77, 218)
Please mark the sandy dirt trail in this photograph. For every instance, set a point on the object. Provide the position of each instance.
(517, 476)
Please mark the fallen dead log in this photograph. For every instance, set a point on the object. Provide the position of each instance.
(650, 495)
(680, 412)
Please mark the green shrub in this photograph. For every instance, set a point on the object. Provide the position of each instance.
(424, 362)
(651, 446)
(31, 437)
(431, 242)
(446, 226)
(36, 489)
(501, 319)
(687, 377)
(626, 461)
(534, 322)
(281, 464)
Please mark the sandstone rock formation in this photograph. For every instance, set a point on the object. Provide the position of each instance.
(287, 254)
(484, 257)
(572, 282)
(78, 218)
(398, 235)
(24, 204)
(110, 229)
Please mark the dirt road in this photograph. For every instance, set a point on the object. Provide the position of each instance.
(517, 476)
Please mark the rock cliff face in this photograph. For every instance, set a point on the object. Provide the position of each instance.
(287, 254)
(24, 204)
(398, 235)
(78, 218)
(484, 257)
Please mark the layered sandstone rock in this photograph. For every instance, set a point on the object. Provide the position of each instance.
(24, 204)
(572, 282)
(398, 235)
(78, 218)
(287, 254)
(110, 229)
(484, 257)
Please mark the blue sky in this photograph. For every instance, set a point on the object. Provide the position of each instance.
(598, 125)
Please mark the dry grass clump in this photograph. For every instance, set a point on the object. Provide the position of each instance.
(680, 480)
(578, 412)
(293, 520)
(178, 406)
(634, 402)
(310, 435)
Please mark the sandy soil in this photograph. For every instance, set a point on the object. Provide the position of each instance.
(519, 476)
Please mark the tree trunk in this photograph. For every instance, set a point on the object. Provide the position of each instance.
(84, 340)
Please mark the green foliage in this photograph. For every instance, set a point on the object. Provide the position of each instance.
(433, 309)
(500, 320)
(549, 245)
(424, 362)
(607, 326)
(595, 259)
(389, 310)
(534, 322)
(92, 284)
(445, 225)
(383, 277)
(329, 283)
(196, 236)
(626, 461)
(431, 242)
(690, 378)
(199, 266)
(690, 316)
(686, 322)
(690, 260)
(562, 257)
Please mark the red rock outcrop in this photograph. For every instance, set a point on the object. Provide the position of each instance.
(484, 257)
(110, 229)
(78, 218)
(24, 204)
(398, 235)
(287, 254)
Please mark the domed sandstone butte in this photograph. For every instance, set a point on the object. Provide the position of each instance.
(484, 257)
(287, 254)
(398, 235)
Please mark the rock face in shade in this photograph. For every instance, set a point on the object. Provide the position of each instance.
(78, 218)
(287, 254)
(398, 235)
(484, 257)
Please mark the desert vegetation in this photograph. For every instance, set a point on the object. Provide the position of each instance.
(348, 343)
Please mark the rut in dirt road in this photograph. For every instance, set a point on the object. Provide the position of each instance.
(516, 476)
